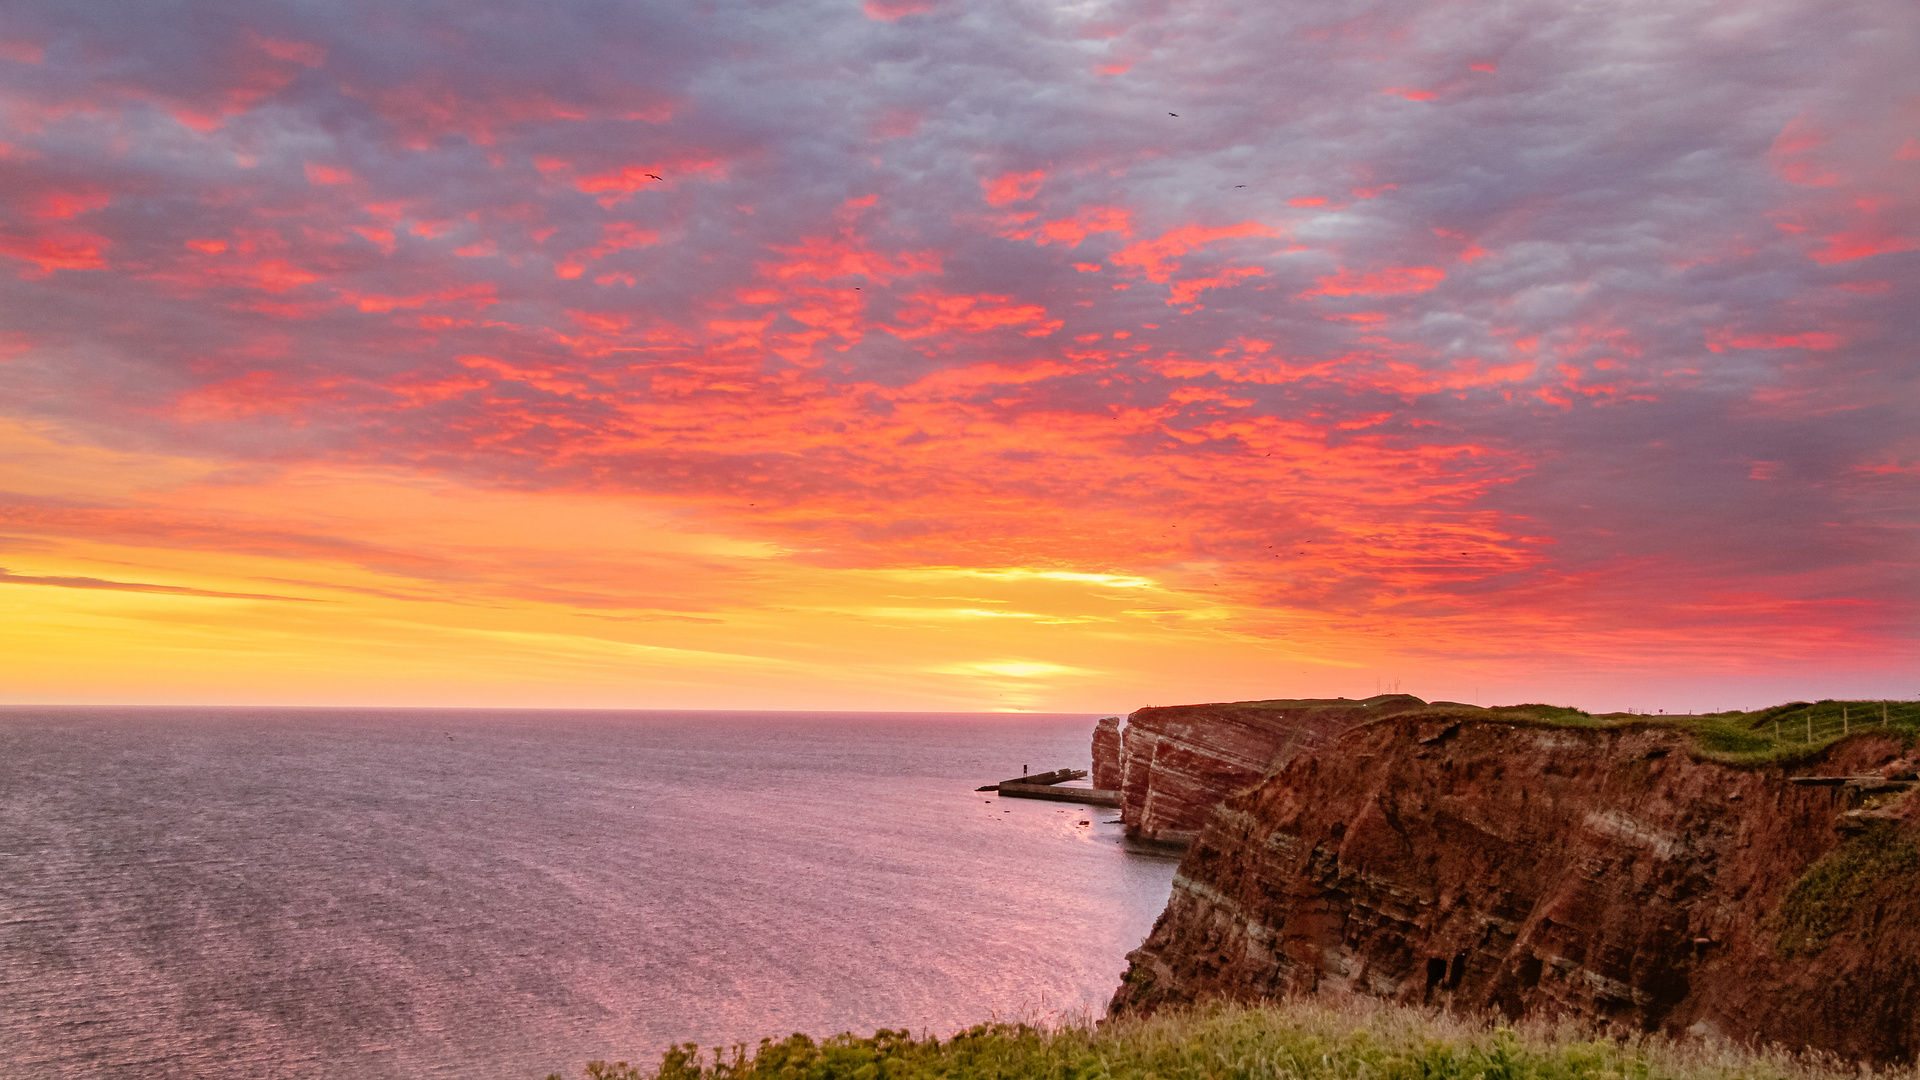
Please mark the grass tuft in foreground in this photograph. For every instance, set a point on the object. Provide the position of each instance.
(1300, 1040)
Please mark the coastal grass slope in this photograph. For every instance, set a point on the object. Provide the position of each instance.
(1293, 1040)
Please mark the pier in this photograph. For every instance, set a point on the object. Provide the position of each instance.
(1053, 786)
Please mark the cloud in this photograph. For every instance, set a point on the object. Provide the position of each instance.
(932, 286)
(7, 577)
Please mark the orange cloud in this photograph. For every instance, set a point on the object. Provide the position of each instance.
(970, 380)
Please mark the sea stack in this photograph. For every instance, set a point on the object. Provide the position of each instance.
(1106, 754)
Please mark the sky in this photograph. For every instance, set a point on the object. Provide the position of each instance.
(943, 355)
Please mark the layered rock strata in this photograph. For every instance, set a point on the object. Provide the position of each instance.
(1106, 754)
(1601, 873)
(1175, 764)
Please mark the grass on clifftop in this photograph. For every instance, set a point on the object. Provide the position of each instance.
(1798, 729)
(1301, 1040)
(1782, 733)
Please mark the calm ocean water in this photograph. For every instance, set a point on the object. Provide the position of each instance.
(399, 893)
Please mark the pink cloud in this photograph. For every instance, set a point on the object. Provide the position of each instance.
(1794, 154)
(1013, 187)
(304, 53)
(614, 236)
(67, 251)
(326, 174)
(617, 185)
(1085, 222)
(1159, 257)
(890, 10)
(1393, 281)
(1185, 292)
(1724, 338)
(68, 204)
(930, 312)
(22, 51)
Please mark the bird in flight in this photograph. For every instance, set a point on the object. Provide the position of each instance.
(1173, 114)
(655, 176)
(1239, 185)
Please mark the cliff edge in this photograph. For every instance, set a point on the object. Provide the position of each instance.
(1606, 872)
(1173, 765)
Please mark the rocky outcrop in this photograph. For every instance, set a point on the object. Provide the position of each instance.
(1177, 763)
(1106, 754)
(1605, 873)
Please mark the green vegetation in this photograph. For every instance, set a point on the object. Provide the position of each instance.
(1780, 734)
(1301, 1040)
(1833, 889)
(1798, 729)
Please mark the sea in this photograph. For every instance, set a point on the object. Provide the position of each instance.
(255, 893)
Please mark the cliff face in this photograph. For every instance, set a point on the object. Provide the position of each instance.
(1603, 873)
(1176, 764)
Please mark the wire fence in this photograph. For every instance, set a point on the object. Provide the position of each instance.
(1822, 721)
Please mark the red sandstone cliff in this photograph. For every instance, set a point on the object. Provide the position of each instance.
(1604, 873)
(1106, 754)
(1175, 764)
